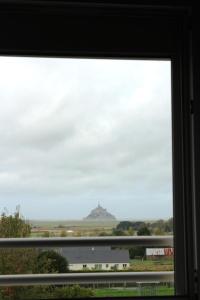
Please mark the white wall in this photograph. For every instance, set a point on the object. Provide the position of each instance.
(105, 266)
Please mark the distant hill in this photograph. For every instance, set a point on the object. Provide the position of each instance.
(100, 213)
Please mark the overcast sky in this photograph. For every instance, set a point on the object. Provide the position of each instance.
(75, 132)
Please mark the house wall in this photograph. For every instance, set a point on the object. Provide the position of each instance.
(102, 266)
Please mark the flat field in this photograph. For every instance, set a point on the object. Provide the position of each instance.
(130, 292)
(72, 227)
(139, 265)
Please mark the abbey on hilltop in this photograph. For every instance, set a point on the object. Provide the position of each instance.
(100, 213)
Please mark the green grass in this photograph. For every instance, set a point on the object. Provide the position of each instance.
(77, 227)
(73, 223)
(127, 292)
(137, 265)
(114, 292)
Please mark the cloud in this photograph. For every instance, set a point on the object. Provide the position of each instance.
(77, 131)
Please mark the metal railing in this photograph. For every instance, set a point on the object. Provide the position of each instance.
(90, 277)
(87, 241)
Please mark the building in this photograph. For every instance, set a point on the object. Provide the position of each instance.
(159, 253)
(96, 258)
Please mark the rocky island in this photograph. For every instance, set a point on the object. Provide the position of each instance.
(100, 213)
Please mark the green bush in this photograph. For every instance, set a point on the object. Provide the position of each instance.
(73, 292)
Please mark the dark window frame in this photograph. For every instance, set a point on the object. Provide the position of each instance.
(121, 29)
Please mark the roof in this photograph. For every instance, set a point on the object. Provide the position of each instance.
(75, 255)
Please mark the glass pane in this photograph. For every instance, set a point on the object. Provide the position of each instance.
(86, 150)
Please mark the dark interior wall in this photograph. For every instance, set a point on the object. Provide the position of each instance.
(195, 79)
(86, 27)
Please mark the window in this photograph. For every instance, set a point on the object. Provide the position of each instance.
(98, 266)
(99, 31)
(78, 138)
(116, 266)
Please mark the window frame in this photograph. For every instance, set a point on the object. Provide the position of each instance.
(102, 29)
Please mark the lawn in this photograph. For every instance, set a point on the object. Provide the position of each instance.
(129, 292)
(138, 265)
(72, 228)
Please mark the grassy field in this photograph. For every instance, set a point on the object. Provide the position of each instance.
(74, 223)
(138, 265)
(130, 292)
(71, 227)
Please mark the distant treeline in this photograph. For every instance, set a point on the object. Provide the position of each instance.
(159, 227)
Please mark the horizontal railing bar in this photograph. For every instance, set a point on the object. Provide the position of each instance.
(87, 241)
(85, 278)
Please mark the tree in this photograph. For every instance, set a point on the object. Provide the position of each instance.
(51, 262)
(144, 231)
(139, 251)
(136, 252)
(15, 261)
(138, 224)
(169, 225)
(13, 226)
(124, 225)
(131, 231)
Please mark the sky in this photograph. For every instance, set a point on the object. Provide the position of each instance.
(75, 132)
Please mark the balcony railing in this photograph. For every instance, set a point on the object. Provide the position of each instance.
(90, 277)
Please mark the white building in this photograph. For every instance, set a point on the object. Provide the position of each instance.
(96, 258)
(159, 252)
